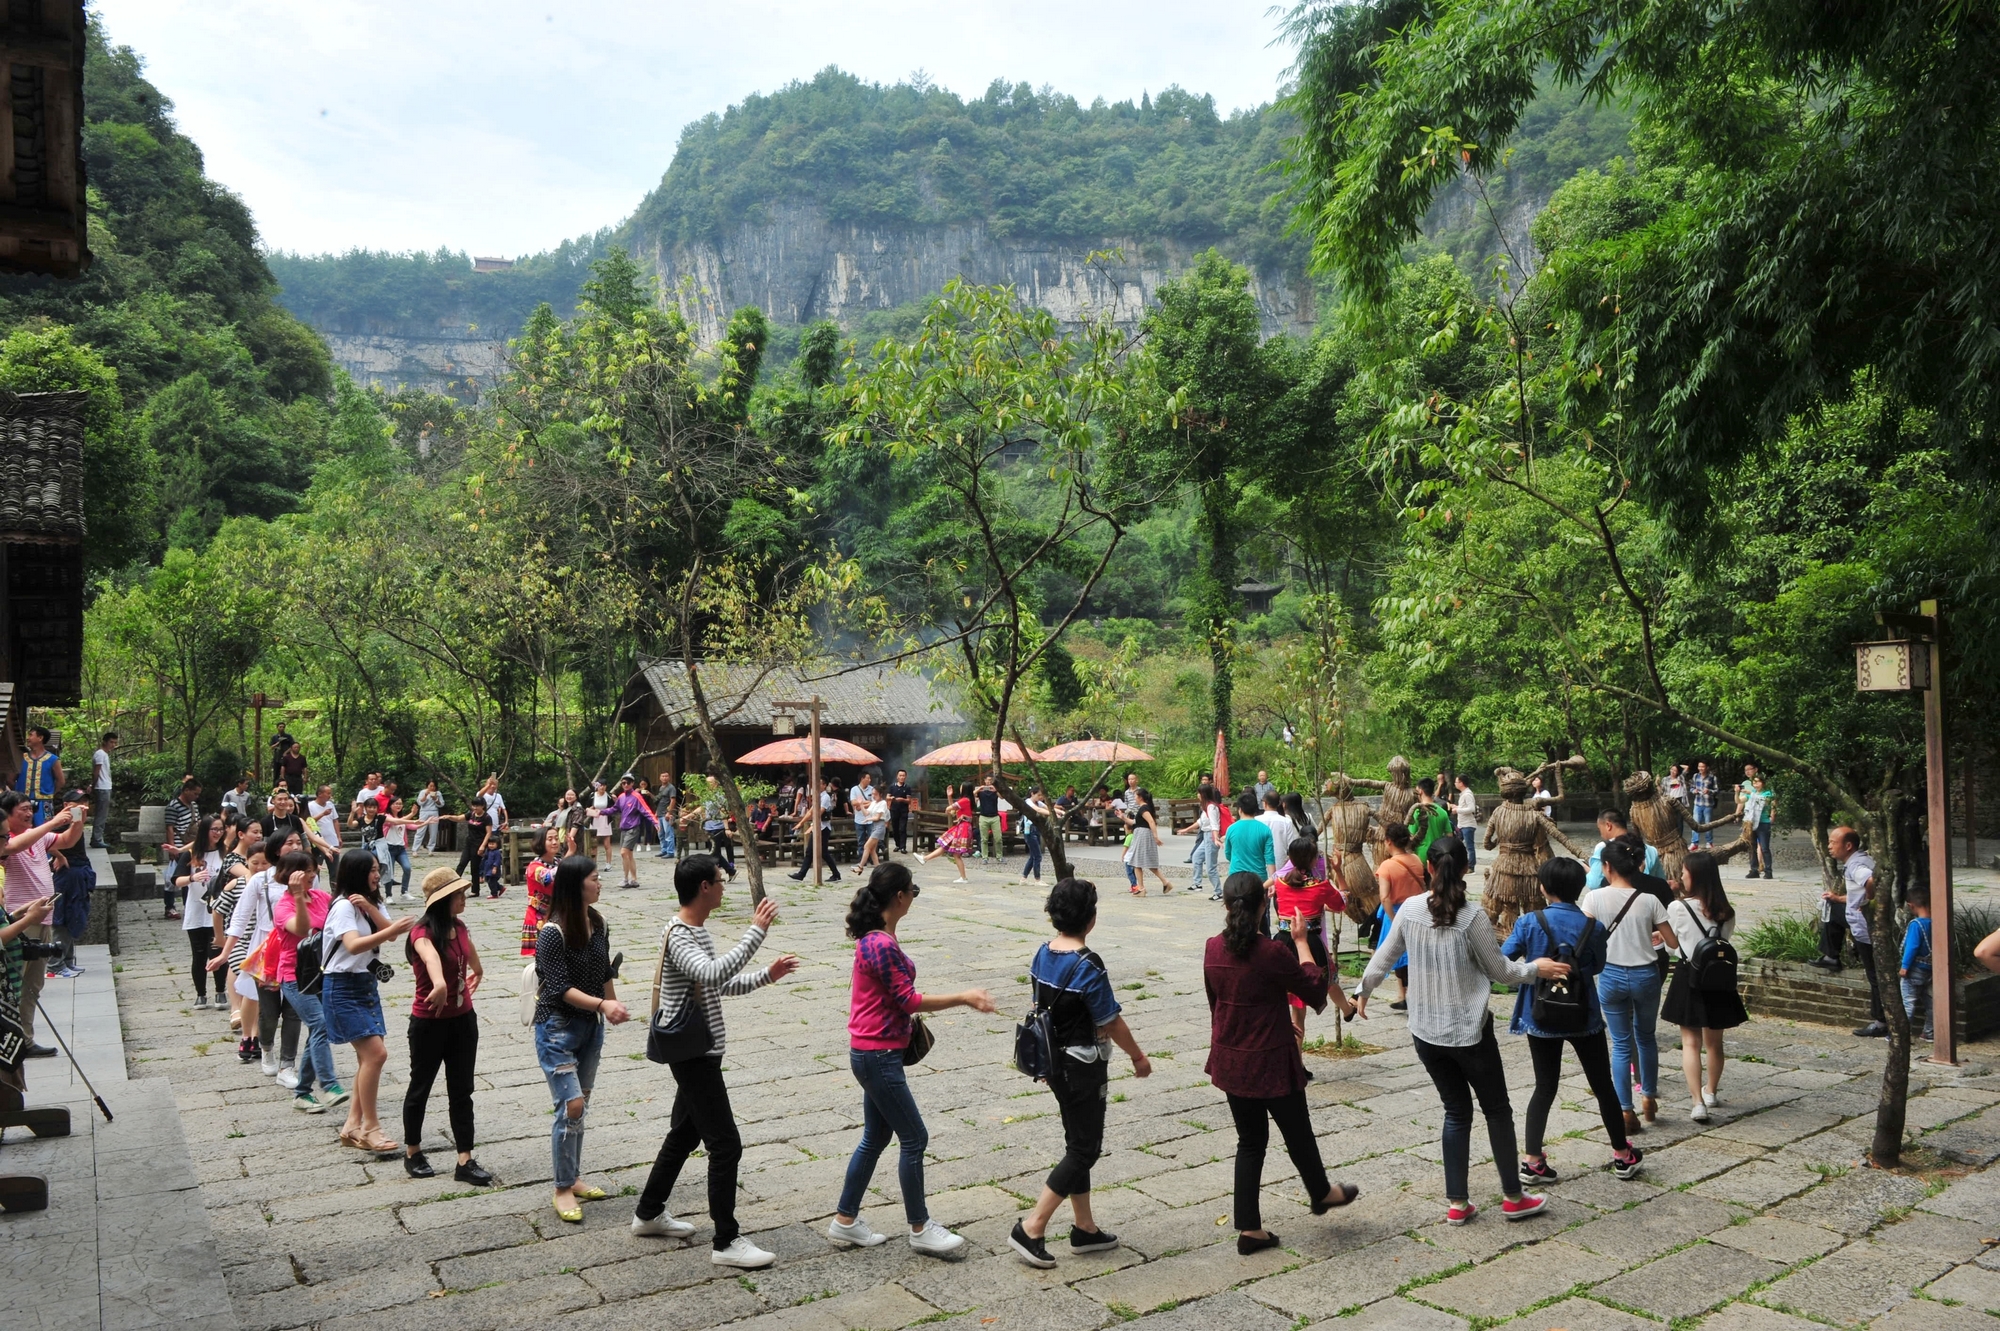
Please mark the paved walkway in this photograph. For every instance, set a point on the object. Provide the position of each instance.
(1764, 1214)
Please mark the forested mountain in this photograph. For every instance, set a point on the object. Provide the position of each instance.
(835, 198)
(209, 398)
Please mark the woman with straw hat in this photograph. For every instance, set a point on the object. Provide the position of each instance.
(444, 1031)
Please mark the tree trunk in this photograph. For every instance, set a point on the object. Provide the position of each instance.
(719, 769)
(1215, 607)
(1886, 1150)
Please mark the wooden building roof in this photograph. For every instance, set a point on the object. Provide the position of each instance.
(874, 696)
(41, 467)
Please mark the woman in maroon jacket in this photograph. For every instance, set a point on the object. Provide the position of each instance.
(1253, 1057)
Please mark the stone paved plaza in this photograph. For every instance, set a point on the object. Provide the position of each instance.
(1753, 1222)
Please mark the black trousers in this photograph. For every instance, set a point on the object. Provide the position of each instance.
(451, 1043)
(701, 1116)
(1833, 932)
(271, 1006)
(1253, 1138)
(468, 860)
(201, 942)
(1593, 1054)
(899, 827)
(1082, 1091)
(1460, 1073)
(1866, 951)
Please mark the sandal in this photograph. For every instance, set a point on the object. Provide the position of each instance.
(574, 1217)
(1347, 1192)
(589, 1194)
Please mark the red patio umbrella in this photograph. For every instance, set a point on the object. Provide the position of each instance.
(792, 752)
(1093, 751)
(971, 753)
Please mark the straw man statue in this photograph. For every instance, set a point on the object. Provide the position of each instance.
(1520, 836)
(1349, 823)
(1660, 818)
(1398, 797)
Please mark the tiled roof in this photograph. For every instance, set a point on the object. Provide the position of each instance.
(870, 696)
(41, 466)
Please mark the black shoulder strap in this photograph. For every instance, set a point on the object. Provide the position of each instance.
(1548, 933)
(1619, 918)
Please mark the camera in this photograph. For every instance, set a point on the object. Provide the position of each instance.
(32, 948)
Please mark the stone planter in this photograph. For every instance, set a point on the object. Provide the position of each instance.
(1799, 992)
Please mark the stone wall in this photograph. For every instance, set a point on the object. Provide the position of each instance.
(1798, 992)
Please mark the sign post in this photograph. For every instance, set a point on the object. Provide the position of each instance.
(1916, 662)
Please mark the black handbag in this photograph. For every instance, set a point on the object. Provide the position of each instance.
(920, 1043)
(686, 1034)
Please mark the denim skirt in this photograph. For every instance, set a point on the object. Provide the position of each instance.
(353, 1006)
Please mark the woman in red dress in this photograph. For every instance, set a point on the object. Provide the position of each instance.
(957, 843)
(541, 875)
(1302, 890)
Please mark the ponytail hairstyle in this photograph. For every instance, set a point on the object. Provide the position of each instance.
(1295, 809)
(1302, 852)
(352, 877)
(1243, 904)
(1447, 859)
(568, 911)
(884, 885)
(1704, 884)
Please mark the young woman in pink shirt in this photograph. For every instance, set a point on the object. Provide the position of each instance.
(883, 1000)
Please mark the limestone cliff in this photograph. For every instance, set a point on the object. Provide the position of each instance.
(798, 266)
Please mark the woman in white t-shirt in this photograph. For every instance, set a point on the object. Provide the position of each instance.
(1628, 988)
(350, 1000)
(1701, 909)
(194, 873)
(600, 821)
(1467, 809)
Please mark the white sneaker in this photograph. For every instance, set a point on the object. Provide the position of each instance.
(961, 880)
(1710, 1098)
(288, 1077)
(269, 1065)
(857, 1235)
(661, 1226)
(935, 1240)
(742, 1253)
(1699, 1113)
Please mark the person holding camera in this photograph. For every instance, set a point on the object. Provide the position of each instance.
(350, 993)
(30, 877)
(18, 956)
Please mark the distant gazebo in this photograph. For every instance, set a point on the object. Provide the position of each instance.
(1257, 596)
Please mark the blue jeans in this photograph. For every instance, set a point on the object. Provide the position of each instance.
(1203, 858)
(1033, 868)
(1917, 1002)
(1702, 815)
(1469, 836)
(886, 1107)
(668, 845)
(1631, 999)
(567, 1046)
(1761, 841)
(317, 1058)
(390, 857)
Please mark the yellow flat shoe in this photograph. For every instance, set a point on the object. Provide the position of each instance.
(590, 1194)
(574, 1217)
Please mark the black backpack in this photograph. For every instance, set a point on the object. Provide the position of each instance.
(1562, 1006)
(311, 965)
(1713, 961)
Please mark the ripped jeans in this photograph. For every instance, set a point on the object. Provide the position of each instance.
(568, 1045)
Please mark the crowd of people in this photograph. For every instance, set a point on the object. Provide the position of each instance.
(287, 925)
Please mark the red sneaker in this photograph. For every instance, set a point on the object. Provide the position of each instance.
(1529, 1204)
(1458, 1215)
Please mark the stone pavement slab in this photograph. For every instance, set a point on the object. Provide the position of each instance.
(1580, 1315)
(1753, 1317)
(1689, 1282)
(1652, 1227)
(1855, 1284)
(1783, 1241)
(1921, 1315)
(1971, 1284)
(1399, 1315)
(1351, 1279)
(1503, 1287)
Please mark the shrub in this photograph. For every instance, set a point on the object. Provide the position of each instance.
(1785, 935)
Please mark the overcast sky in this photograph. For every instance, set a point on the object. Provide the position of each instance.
(503, 127)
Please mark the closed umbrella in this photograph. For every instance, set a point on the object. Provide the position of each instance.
(1221, 763)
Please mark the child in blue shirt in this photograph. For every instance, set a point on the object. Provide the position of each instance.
(1916, 964)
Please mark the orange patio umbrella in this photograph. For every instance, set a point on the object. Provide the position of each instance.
(792, 752)
(1093, 751)
(971, 753)
(1221, 763)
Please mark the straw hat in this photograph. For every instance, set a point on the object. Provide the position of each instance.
(441, 883)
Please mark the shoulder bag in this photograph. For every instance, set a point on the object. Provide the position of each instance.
(684, 1035)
